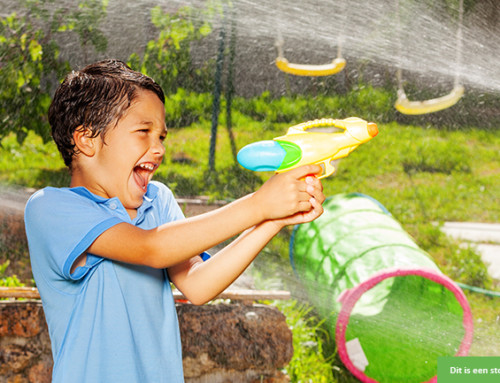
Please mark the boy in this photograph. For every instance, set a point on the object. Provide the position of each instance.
(105, 250)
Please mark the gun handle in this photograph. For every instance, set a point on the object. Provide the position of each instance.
(328, 168)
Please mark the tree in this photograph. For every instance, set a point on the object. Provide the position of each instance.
(167, 58)
(30, 64)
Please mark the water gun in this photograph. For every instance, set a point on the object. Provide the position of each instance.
(299, 147)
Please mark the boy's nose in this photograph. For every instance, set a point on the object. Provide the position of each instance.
(158, 148)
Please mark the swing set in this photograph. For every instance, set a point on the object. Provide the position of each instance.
(309, 70)
(402, 104)
(406, 106)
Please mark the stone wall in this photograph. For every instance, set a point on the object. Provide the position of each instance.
(25, 354)
(220, 343)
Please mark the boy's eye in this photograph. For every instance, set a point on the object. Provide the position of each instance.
(143, 132)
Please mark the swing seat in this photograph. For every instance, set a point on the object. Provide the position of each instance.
(310, 70)
(406, 106)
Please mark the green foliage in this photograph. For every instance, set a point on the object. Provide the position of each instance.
(452, 6)
(85, 21)
(372, 103)
(272, 110)
(8, 280)
(30, 60)
(31, 164)
(167, 58)
(466, 266)
(28, 54)
(184, 108)
(308, 363)
(461, 262)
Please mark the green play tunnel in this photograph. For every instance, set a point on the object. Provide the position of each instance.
(391, 309)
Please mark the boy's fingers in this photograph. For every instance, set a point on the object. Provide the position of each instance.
(317, 206)
(316, 194)
(314, 181)
(315, 188)
(304, 206)
(316, 209)
(305, 170)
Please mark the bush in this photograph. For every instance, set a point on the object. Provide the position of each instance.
(184, 108)
(461, 262)
(8, 280)
(308, 363)
(364, 101)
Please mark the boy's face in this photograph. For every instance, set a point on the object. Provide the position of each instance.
(130, 153)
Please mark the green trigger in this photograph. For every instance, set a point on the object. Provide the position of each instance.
(292, 156)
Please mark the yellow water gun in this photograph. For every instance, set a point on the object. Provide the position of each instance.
(299, 147)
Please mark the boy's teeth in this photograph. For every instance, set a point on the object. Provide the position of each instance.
(147, 166)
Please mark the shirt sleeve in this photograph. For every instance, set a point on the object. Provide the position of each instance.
(60, 226)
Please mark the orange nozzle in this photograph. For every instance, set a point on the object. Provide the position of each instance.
(372, 129)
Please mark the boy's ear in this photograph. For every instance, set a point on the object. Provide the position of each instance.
(85, 143)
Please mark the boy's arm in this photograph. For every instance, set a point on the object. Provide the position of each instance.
(281, 196)
(202, 281)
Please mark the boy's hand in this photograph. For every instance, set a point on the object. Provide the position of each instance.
(316, 201)
(287, 194)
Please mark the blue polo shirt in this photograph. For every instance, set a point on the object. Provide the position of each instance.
(108, 321)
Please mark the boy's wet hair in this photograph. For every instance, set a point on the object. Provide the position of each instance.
(94, 98)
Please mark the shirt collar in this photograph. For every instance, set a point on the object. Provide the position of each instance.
(84, 192)
(147, 200)
(150, 195)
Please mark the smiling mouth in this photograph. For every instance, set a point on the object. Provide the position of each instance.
(143, 173)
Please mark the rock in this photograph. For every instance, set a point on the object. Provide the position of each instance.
(233, 340)
(25, 320)
(220, 342)
(41, 372)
